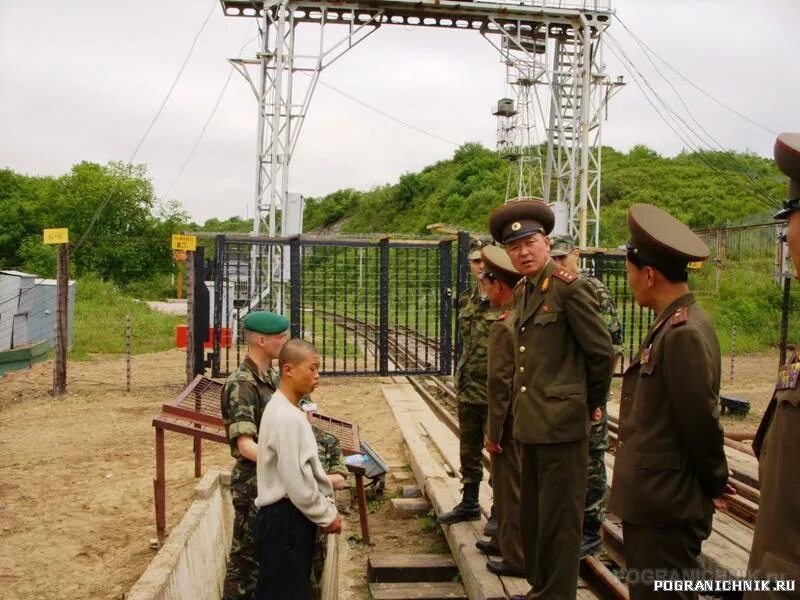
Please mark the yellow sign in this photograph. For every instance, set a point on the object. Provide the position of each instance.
(56, 236)
(184, 242)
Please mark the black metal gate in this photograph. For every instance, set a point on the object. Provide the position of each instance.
(379, 308)
(635, 320)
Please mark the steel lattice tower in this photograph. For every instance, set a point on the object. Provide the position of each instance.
(555, 45)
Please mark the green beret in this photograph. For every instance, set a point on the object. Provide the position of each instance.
(660, 240)
(520, 219)
(261, 321)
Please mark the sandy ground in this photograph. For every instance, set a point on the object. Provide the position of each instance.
(76, 507)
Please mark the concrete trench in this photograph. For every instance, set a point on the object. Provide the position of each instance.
(191, 563)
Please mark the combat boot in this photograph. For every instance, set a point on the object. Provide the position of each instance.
(466, 510)
(491, 524)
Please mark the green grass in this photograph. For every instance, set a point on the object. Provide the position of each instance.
(99, 326)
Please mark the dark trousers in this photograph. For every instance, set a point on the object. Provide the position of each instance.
(285, 542)
(553, 494)
(662, 553)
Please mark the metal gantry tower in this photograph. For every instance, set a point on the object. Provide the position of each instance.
(555, 45)
(561, 61)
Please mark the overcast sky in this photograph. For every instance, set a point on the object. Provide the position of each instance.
(82, 80)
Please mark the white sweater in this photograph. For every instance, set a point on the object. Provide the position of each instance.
(288, 465)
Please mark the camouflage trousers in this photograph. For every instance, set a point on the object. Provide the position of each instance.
(318, 563)
(241, 574)
(472, 424)
(596, 484)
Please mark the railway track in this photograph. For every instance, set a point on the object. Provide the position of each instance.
(742, 506)
(439, 394)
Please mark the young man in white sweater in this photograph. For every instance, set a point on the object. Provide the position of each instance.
(294, 493)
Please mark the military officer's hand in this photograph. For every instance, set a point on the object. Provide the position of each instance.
(597, 415)
(721, 502)
(337, 481)
(493, 447)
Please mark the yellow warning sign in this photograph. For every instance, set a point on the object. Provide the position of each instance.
(184, 242)
(56, 236)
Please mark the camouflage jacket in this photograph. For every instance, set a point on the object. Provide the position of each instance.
(475, 318)
(609, 313)
(243, 399)
(330, 453)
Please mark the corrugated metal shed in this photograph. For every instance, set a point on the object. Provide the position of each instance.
(28, 309)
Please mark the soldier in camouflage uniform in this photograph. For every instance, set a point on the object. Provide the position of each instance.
(243, 399)
(332, 459)
(475, 318)
(564, 252)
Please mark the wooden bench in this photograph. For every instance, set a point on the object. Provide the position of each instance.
(196, 412)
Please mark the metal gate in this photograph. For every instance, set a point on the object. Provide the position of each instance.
(635, 320)
(370, 308)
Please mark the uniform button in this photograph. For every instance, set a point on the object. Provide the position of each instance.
(523, 389)
(522, 348)
(522, 369)
(522, 329)
(619, 444)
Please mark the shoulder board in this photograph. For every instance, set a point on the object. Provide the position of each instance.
(521, 282)
(680, 316)
(564, 275)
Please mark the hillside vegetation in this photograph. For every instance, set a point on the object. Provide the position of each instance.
(128, 242)
(463, 190)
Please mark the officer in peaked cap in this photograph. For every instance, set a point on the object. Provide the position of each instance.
(563, 361)
(670, 470)
(776, 541)
(475, 317)
(499, 278)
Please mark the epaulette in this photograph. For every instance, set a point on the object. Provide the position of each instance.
(521, 282)
(680, 316)
(564, 275)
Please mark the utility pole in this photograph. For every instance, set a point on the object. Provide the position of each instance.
(61, 238)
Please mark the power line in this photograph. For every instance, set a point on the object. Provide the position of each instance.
(206, 124)
(739, 167)
(386, 115)
(690, 82)
(634, 72)
(149, 127)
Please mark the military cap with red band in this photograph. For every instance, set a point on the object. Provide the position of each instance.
(520, 219)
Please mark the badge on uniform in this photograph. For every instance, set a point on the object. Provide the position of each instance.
(646, 355)
(787, 376)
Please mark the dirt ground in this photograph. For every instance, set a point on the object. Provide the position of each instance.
(76, 498)
(76, 507)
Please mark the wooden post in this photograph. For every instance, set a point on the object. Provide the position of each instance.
(62, 311)
(128, 353)
(190, 341)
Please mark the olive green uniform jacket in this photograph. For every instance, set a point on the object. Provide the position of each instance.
(670, 460)
(776, 542)
(506, 466)
(563, 356)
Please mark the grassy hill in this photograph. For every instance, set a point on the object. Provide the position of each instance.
(703, 190)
